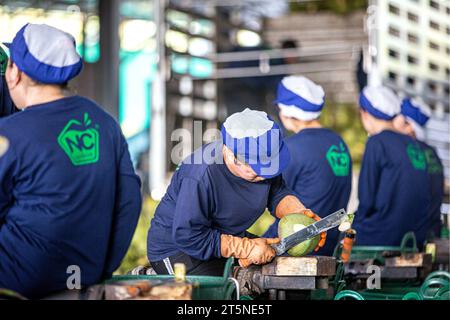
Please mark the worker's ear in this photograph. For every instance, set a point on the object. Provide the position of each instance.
(13, 76)
(364, 114)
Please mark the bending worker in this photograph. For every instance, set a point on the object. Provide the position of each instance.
(393, 183)
(6, 105)
(412, 120)
(320, 170)
(69, 197)
(219, 192)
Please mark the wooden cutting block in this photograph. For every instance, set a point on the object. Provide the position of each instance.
(301, 266)
(409, 260)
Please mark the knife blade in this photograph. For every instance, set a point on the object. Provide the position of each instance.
(331, 221)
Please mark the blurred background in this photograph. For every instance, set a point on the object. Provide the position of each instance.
(159, 65)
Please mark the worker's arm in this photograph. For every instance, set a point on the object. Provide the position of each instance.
(278, 192)
(8, 170)
(369, 180)
(193, 233)
(436, 222)
(128, 204)
(282, 200)
(192, 230)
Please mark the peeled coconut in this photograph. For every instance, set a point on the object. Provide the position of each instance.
(292, 223)
(347, 223)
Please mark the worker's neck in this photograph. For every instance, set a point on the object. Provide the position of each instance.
(380, 125)
(41, 94)
(300, 125)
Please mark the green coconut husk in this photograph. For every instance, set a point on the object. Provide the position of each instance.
(293, 223)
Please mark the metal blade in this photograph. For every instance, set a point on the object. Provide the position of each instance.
(331, 221)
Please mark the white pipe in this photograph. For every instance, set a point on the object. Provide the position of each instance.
(157, 158)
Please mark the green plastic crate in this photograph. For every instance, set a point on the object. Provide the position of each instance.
(408, 245)
(435, 287)
(205, 287)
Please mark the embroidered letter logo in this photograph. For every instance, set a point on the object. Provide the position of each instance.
(416, 156)
(339, 160)
(80, 141)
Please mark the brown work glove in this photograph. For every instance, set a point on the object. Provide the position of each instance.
(248, 251)
(323, 235)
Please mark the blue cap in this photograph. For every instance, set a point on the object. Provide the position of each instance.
(415, 110)
(381, 102)
(300, 98)
(256, 140)
(45, 54)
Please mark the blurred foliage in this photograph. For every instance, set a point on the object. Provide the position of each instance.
(137, 253)
(336, 6)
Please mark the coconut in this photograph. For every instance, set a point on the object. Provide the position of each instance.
(346, 224)
(295, 222)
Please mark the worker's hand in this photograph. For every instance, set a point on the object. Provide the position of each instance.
(323, 235)
(288, 205)
(249, 251)
(261, 252)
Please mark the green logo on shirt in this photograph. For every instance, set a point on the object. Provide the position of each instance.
(433, 162)
(339, 160)
(3, 62)
(80, 141)
(416, 156)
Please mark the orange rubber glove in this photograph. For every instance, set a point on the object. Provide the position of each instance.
(323, 235)
(248, 251)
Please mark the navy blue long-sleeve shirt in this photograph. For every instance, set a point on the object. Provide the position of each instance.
(320, 174)
(6, 105)
(436, 174)
(68, 196)
(204, 201)
(393, 191)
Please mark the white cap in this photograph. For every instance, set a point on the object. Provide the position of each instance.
(381, 102)
(45, 54)
(257, 140)
(417, 113)
(299, 97)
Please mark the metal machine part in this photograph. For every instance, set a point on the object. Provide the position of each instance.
(285, 275)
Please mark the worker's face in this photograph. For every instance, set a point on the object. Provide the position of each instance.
(15, 80)
(239, 168)
(403, 126)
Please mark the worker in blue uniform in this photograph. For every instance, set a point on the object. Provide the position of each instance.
(393, 182)
(6, 105)
(320, 170)
(412, 121)
(69, 196)
(217, 193)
